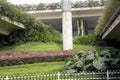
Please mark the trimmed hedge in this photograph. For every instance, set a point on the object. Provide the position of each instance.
(17, 58)
(112, 6)
(35, 30)
(87, 40)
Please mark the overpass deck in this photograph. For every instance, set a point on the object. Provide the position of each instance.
(7, 26)
(76, 12)
(112, 28)
(89, 16)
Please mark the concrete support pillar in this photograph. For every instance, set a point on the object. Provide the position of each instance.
(67, 30)
(82, 28)
(78, 27)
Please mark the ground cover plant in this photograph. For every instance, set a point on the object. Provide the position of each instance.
(104, 59)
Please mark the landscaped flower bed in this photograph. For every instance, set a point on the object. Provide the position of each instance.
(16, 58)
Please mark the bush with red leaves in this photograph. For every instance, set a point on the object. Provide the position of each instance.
(17, 58)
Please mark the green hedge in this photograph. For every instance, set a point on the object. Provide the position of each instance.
(34, 30)
(112, 6)
(87, 40)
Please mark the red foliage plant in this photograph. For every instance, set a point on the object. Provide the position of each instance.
(16, 57)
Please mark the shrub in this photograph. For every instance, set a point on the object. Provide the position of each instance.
(17, 58)
(107, 59)
(87, 40)
(53, 6)
(80, 61)
(41, 6)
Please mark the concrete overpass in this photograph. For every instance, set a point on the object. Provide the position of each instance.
(84, 20)
(112, 28)
(7, 26)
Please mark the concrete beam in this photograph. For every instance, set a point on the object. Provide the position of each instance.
(4, 32)
(76, 12)
(14, 23)
(59, 10)
(112, 28)
(7, 26)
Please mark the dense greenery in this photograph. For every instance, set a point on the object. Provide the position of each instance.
(112, 6)
(36, 68)
(87, 40)
(34, 30)
(105, 59)
(52, 6)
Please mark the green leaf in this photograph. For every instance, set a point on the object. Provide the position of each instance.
(99, 64)
(79, 63)
(90, 57)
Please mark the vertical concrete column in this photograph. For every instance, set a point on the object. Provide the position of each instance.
(82, 28)
(78, 27)
(67, 24)
(67, 30)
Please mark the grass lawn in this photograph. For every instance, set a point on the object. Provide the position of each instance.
(35, 46)
(83, 47)
(46, 67)
(44, 46)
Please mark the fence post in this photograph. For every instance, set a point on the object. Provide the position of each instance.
(58, 75)
(7, 78)
(108, 75)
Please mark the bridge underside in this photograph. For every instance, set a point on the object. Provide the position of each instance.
(7, 26)
(88, 22)
(113, 31)
(84, 20)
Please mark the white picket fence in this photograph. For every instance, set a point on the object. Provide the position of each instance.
(108, 75)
